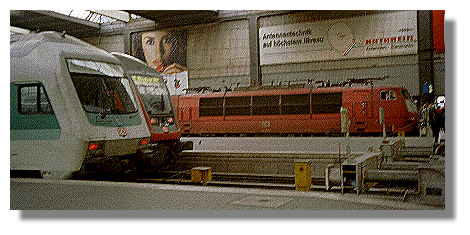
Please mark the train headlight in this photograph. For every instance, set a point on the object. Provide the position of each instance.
(94, 146)
(95, 149)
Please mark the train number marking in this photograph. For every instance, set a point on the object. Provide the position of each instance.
(265, 124)
(122, 132)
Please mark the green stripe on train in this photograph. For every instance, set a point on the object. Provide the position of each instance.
(37, 134)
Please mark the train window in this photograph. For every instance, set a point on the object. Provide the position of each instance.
(101, 87)
(211, 106)
(388, 95)
(33, 100)
(103, 94)
(94, 67)
(266, 105)
(326, 103)
(237, 105)
(295, 104)
(154, 94)
(405, 94)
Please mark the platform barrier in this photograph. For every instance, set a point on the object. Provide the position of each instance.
(201, 174)
(303, 175)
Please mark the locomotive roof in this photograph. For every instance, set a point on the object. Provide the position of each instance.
(27, 43)
(135, 66)
(284, 91)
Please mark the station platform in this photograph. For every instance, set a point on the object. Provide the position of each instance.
(41, 194)
(300, 145)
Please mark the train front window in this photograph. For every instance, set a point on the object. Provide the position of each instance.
(410, 105)
(101, 87)
(405, 94)
(388, 95)
(154, 94)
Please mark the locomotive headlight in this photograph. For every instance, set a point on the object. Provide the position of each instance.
(144, 141)
(170, 120)
(165, 129)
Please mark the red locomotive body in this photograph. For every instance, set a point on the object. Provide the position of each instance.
(296, 111)
(152, 94)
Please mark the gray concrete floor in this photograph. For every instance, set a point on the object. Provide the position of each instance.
(39, 194)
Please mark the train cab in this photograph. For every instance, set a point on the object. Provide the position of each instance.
(72, 111)
(154, 97)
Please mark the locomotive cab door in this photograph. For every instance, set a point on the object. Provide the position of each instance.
(184, 113)
(361, 107)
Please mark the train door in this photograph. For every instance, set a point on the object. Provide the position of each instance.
(361, 107)
(185, 115)
(34, 128)
(392, 105)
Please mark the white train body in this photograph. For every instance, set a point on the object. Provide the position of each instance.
(53, 128)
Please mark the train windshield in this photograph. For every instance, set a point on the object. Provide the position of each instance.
(409, 103)
(154, 94)
(101, 87)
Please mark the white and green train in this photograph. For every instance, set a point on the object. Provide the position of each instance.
(71, 109)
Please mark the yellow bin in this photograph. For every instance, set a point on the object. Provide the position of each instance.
(201, 174)
(303, 175)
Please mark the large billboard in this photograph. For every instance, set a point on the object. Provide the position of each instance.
(165, 51)
(377, 35)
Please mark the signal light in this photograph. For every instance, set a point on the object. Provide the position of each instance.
(93, 146)
(144, 141)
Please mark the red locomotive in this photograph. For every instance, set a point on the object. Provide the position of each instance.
(297, 111)
(152, 94)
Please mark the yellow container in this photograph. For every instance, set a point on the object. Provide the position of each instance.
(201, 174)
(303, 175)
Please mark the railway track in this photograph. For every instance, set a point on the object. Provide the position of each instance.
(275, 170)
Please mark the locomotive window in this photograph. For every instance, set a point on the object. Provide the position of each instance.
(237, 105)
(33, 100)
(388, 95)
(295, 104)
(266, 105)
(326, 103)
(211, 107)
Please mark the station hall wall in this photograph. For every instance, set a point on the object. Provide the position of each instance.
(218, 54)
(401, 68)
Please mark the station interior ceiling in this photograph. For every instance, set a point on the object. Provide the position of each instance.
(43, 20)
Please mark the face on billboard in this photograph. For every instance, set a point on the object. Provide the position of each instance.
(151, 47)
(165, 51)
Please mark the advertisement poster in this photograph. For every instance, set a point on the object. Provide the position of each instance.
(177, 83)
(376, 35)
(165, 51)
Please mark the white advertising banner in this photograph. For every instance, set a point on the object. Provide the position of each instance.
(378, 35)
(177, 83)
